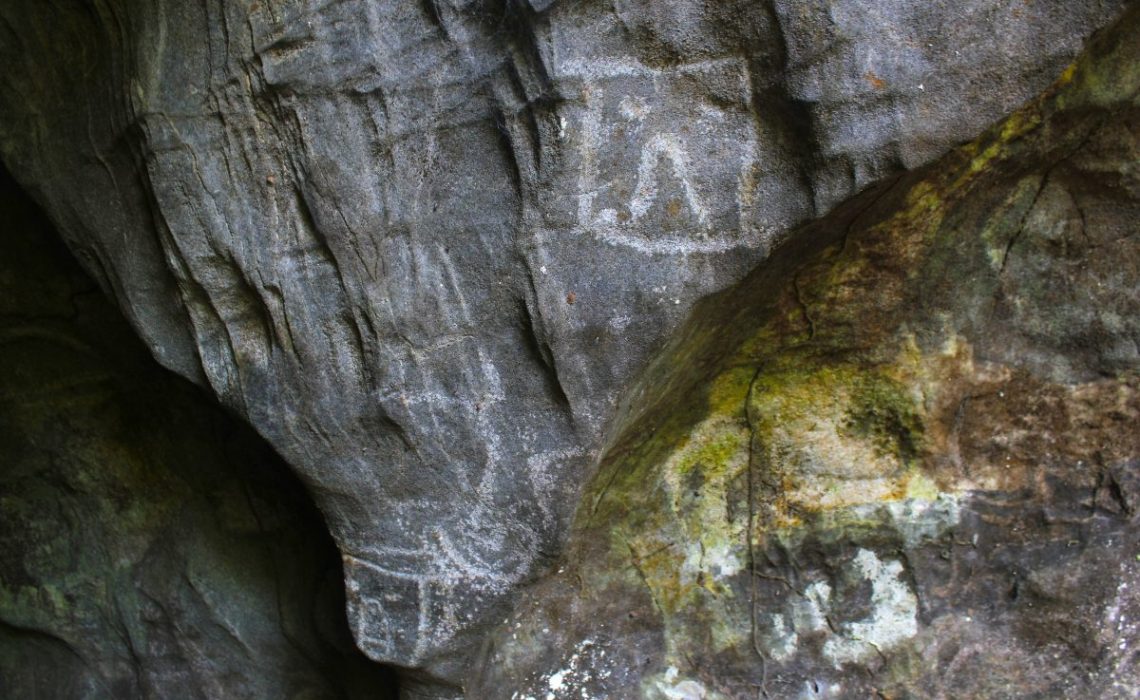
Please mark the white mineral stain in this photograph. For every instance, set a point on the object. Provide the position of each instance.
(920, 519)
(809, 613)
(671, 687)
(555, 682)
(577, 673)
(893, 619)
(722, 561)
(783, 646)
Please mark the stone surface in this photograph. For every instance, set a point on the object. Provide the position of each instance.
(900, 459)
(422, 247)
(150, 546)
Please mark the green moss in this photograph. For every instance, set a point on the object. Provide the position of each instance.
(729, 391)
(1005, 224)
(882, 411)
(922, 487)
(1108, 73)
(709, 452)
(872, 405)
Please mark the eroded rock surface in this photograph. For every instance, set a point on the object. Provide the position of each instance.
(899, 460)
(150, 546)
(423, 246)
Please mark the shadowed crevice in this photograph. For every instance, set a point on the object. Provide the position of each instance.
(151, 545)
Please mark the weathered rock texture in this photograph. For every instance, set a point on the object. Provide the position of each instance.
(424, 246)
(150, 547)
(901, 459)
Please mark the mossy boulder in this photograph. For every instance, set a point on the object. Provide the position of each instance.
(899, 460)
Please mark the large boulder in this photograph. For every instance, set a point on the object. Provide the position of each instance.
(900, 459)
(423, 247)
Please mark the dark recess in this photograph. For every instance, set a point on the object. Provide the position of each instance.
(151, 544)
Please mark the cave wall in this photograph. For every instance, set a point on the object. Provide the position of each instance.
(424, 247)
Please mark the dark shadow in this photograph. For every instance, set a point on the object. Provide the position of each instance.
(151, 545)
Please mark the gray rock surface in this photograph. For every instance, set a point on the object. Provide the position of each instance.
(423, 247)
(150, 545)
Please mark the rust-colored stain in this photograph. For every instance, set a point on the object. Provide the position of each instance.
(571, 298)
(875, 81)
(673, 207)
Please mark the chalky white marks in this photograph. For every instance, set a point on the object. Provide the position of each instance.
(543, 479)
(634, 108)
(601, 69)
(416, 588)
(620, 323)
(672, 207)
(661, 146)
(1121, 629)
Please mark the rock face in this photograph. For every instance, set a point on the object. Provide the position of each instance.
(423, 247)
(898, 460)
(150, 546)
